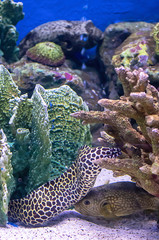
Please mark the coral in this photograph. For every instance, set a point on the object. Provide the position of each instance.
(65, 133)
(43, 138)
(6, 177)
(9, 94)
(155, 34)
(72, 36)
(136, 51)
(47, 53)
(139, 144)
(10, 14)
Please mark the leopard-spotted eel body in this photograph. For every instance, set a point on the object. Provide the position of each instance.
(59, 194)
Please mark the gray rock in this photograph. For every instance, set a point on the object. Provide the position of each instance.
(70, 35)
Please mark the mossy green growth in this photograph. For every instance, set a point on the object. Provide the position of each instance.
(10, 14)
(9, 95)
(6, 177)
(47, 53)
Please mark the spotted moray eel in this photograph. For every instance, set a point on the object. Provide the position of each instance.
(61, 193)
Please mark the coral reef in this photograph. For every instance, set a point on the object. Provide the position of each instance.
(47, 53)
(10, 14)
(6, 177)
(72, 36)
(136, 51)
(155, 34)
(133, 122)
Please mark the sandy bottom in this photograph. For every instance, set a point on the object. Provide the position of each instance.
(72, 225)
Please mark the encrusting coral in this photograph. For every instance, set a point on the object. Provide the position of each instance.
(47, 53)
(10, 14)
(133, 122)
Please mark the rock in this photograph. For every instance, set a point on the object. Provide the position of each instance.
(72, 36)
(138, 50)
(114, 36)
(27, 75)
(92, 90)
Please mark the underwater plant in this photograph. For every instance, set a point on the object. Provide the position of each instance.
(10, 14)
(133, 122)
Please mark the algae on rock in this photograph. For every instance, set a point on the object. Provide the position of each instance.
(6, 177)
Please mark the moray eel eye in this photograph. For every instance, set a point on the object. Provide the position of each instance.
(86, 202)
(104, 204)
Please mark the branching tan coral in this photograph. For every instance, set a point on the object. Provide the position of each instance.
(133, 122)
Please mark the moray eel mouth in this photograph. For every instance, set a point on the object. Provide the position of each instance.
(55, 196)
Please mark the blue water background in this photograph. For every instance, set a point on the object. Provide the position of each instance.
(101, 12)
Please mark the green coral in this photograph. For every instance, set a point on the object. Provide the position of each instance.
(9, 95)
(47, 53)
(10, 14)
(42, 135)
(6, 177)
(49, 145)
(66, 134)
(39, 163)
(155, 34)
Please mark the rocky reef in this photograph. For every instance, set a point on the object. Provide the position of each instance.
(133, 123)
(10, 14)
